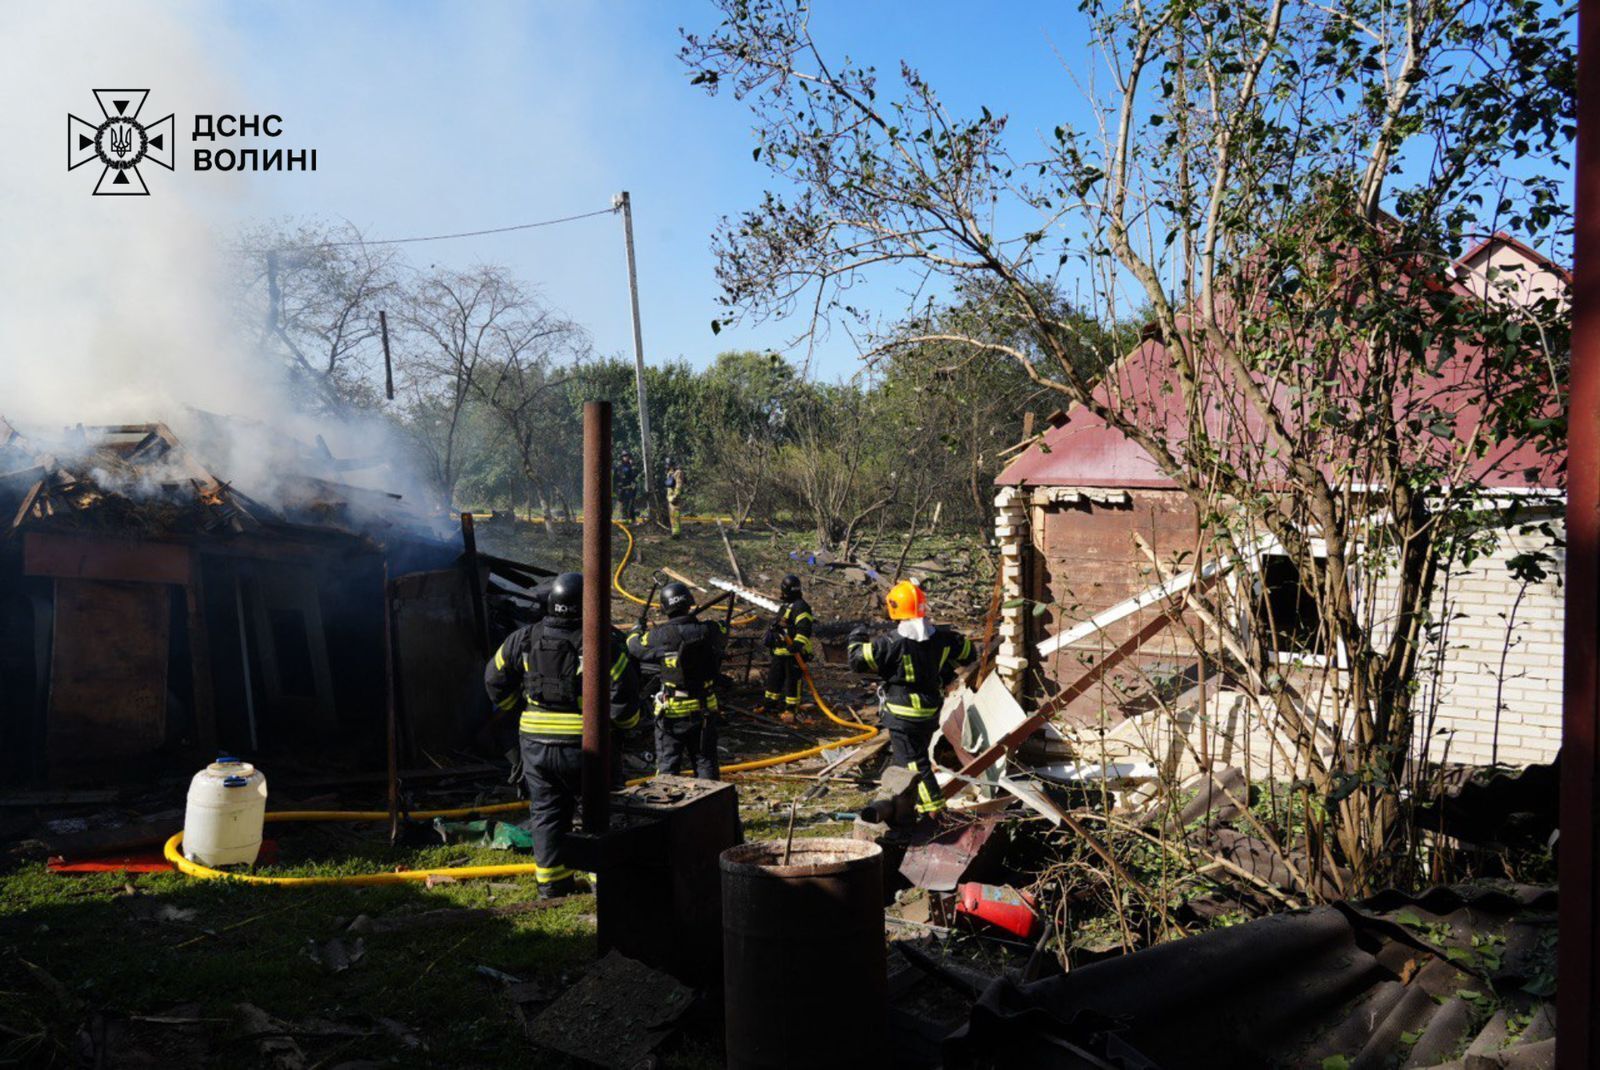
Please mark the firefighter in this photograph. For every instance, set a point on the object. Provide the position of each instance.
(627, 483)
(540, 668)
(789, 635)
(916, 662)
(684, 654)
(677, 484)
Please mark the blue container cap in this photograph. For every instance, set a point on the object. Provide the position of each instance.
(227, 759)
(235, 782)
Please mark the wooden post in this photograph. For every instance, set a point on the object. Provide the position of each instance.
(391, 715)
(205, 699)
(388, 364)
(480, 612)
(738, 573)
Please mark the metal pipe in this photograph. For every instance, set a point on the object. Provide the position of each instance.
(596, 614)
(1578, 950)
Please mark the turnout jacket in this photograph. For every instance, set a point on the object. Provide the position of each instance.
(791, 632)
(540, 667)
(657, 651)
(915, 672)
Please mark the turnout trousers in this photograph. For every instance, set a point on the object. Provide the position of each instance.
(784, 680)
(553, 773)
(690, 741)
(909, 738)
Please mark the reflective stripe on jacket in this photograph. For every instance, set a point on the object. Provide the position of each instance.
(915, 672)
(511, 680)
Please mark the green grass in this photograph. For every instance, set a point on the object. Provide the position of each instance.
(73, 947)
(112, 952)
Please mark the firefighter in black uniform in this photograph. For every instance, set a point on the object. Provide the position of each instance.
(626, 480)
(916, 662)
(685, 655)
(540, 668)
(789, 635)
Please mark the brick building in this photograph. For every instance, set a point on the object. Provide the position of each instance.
(1074, 507)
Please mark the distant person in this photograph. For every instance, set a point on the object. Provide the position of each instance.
(685, 655)
(540, 667)
(677, 485)
(789, 635)
(626, 481)
(916, 662)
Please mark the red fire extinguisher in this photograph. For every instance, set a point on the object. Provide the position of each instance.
(1006, 908)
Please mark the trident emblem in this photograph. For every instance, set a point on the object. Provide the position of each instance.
(120, 142)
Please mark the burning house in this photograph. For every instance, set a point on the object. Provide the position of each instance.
(151, 613)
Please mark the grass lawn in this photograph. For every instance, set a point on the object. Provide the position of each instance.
(86, 961)
(77, 946)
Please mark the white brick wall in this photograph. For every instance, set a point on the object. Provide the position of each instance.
(1500, 655)
(1011, 534)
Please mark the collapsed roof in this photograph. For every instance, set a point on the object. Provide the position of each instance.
(140, 480)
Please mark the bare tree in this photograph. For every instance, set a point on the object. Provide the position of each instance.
(472, 338)
(315, 293)
(524, 391)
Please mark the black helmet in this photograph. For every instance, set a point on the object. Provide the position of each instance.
(790, 588)
(677, 599)
(566, 596)
(540, 596)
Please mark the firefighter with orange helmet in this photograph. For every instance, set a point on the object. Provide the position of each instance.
(916, 662)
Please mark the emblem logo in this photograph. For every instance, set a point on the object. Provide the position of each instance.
(120, 142)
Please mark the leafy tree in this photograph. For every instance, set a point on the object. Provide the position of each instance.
(1281, 182)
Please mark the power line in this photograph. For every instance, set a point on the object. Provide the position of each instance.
(462, 234)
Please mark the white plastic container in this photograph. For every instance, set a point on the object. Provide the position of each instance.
(226, 811)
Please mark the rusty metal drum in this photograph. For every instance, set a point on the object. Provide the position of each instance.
(804, 954)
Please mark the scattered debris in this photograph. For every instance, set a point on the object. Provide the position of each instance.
(615, 1016)
(336, 955)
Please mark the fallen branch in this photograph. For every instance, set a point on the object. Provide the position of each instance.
(1213, 858)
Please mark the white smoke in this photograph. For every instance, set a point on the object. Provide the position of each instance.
(112, 308)
(121, 309)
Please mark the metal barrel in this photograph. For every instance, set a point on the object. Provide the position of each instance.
(803, 954)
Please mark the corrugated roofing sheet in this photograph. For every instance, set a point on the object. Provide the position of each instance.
(1395, 981)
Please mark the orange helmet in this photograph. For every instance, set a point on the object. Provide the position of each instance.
(906, 601)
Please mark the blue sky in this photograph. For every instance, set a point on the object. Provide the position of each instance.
(430, 118)
(435, 118)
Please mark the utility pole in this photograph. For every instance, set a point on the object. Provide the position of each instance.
(623, 203)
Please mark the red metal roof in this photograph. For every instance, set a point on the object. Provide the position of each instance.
(1085, 452)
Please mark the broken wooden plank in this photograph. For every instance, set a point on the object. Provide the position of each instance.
(681, 578)
(727, 544)
(26, 507)
(1169, 587)
(1067, 695)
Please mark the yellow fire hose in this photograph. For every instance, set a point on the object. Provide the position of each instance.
(174, 846)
